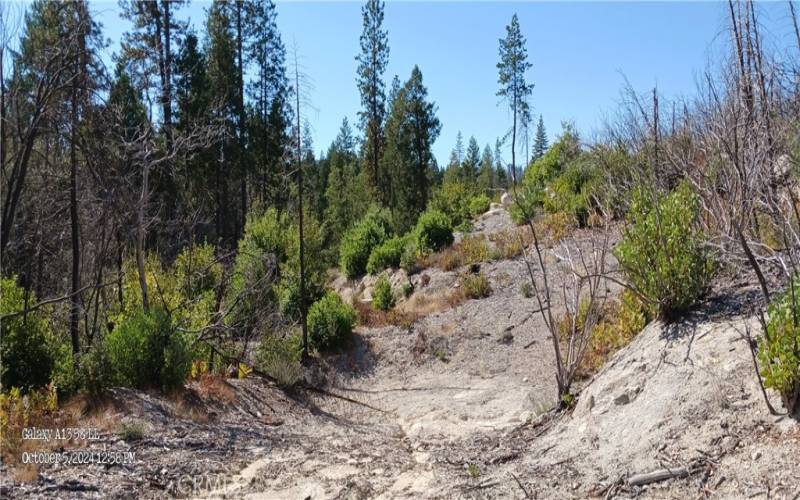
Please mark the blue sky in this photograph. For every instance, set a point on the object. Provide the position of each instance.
(579, 51)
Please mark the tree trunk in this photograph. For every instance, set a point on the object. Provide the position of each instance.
(240, 112)
(75, 302)
(303, 321)
(140, 237)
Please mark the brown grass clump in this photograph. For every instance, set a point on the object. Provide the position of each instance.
(406, 313)
(619, 322)
(38, 408)
(555, 227)
(509, 243)
(214, 386)
(476, 286)
(470, 250)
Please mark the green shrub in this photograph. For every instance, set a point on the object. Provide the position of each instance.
(386, 255)
(147, 351)
(408, 289)
(197, 275)
(96, 370)
(27, 359)
(662, 253)
(64, 376)
(526, 289)
(359, 241)
(573, 192)
(382, 294)
(197, 270)
(260, 251)
(330, 323)
(453, 200)
(280, 358)
(479, 205)
(133, 431)
(779, 348)
(538, 177)
(288, 288)
(476, 286)
(433, 231)
(408, 260)
(465, 226)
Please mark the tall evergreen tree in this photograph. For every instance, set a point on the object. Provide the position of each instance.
(499, 169)
(486, 176)
(469, 168)
(269, 118)
(513, 87)
(223, 85)
(345, 202)
(155, 32)
(372, 63)
(540, 144)
(411, 129)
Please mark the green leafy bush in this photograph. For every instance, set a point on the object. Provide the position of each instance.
(280, 358)
(476, 286)
(261, 250)
(662, 253)
(453, 199)
(386, 255)
(197, 275)
(382, 294)
(433, 231)
(146, 351)
(408, 260)
(538, 177)
(288, 288)
(330, 323)
(572, 192)
(27, 359)
(479, 205)
(779, 348)
(359, 241)
(96, 370)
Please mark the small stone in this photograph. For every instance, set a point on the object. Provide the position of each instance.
(756, 455)
(622, 399)
(525, 379)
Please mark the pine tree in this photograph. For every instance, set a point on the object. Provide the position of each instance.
(155, 30)
(499, 169)
(372, 63)
(223, 85)
(269, 118)
(411, 129)
(540, 143)
(469, 168)
(344, 197)
(486, 176)
(513, 87)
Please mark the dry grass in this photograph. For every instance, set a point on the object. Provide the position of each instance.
(420, 304)
(555, 227)
(36, 409)
(25, 473)
(476, 286)
(619, 322)
(470, 250)
(509, 243)
(214, 386)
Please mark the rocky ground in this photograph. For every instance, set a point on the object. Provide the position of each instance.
(457, 405)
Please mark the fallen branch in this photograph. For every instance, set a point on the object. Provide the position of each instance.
(527, 495)
(659, 475)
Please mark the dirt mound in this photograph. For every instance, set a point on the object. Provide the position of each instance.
(680, 397)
